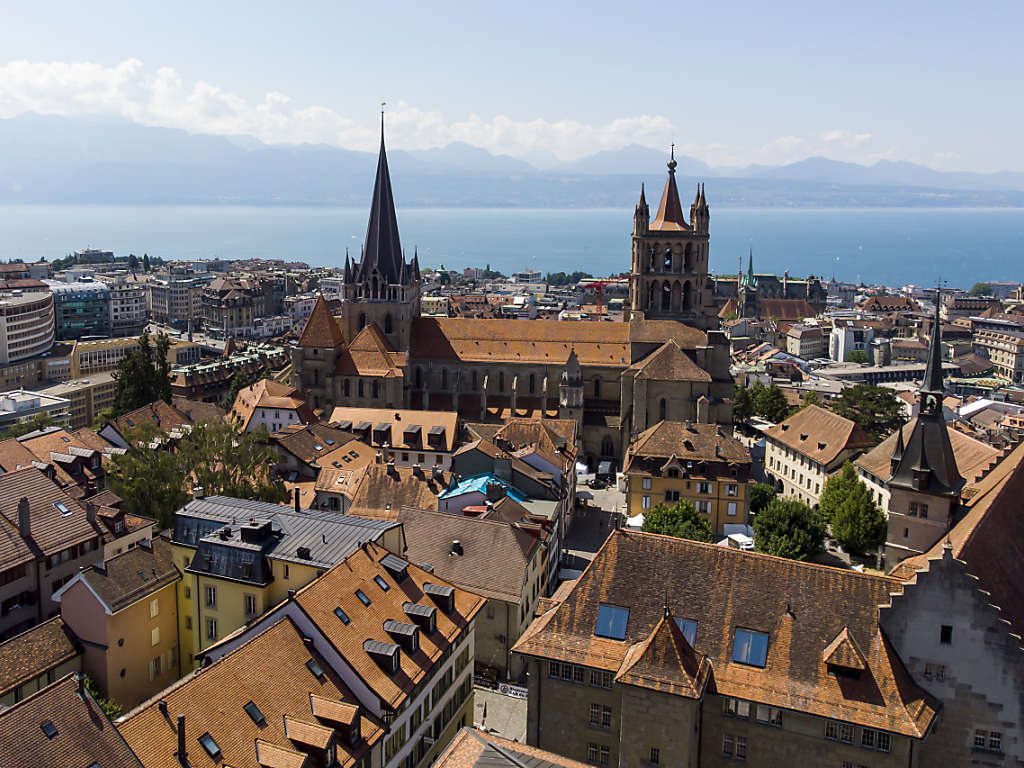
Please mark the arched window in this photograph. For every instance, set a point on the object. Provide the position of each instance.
(597, 387)
(533, 384)
(387, 324)
(444, 378)
(688, 258)
(653, 257)
(360, 388)
(607, 446)
(662, 409)
(666, 296)
(362, 320)
(419, 378)
(475, 386)
(376, 389)
(668, 260)
(347, 388)
(501, 381)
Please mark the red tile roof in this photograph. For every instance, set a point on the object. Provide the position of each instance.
(321, 330)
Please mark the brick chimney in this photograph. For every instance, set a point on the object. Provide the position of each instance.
(24, 518)
(90, 512)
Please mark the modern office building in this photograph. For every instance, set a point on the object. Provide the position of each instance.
(26, 326)
(82, 309)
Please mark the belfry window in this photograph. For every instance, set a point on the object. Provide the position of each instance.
(668, 260)
(388, 324)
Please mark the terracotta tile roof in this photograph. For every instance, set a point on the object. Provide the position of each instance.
(133, 575)
(670, 217)
(990, 539)
(197, 411)
(492, 559)
(93, 440)
(471, 748)
(786, 309)
(270, 671)
(670, 363)
(84, 736)
(548, 434)
(51, 530)
(665, 662)
(321, 330)
(660, 331)
(974, 459)
(655, 448)
(890, 304)
(345, 477)
(14, 455)
(107, 499)
(801, 607)
(370, 354)
(820, 434)
(302, 440)
(400, 421)
(270, 394)
(159, 413)
(337, 589)
(35, 652)
(54, 446)
(382, 493)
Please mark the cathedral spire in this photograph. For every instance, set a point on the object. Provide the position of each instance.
(932, 382)
(382, 248)
(670, 212)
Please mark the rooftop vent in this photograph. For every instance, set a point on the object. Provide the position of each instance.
(456, 548)
(302, 553)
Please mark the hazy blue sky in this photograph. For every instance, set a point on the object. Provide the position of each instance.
(733, 83)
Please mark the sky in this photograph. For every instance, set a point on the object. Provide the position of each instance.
(735, 83)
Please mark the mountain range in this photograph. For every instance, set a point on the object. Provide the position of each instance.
(52, 159)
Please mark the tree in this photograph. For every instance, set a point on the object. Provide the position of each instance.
(859, 525)
(811, 398)
(133, 262)
(681, 520)
(240, 381)
(761, 495)
(876, 410)
(110, 709)
(145, 262)
(742, 406)
(148, 479)
(225, 461)
(730, 315)
(857, 356)
(789, 528)
(39, 421)
(774, 405)
(981, 289)
(756, 393)
(143, 376)
(836, 489)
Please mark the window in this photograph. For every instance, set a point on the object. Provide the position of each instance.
(736, 708)
(211, 629)
(605, 754)
(154, 636)
(731, 490)
(606, 680)
(154, 608)
(732, 508)
(362, 597)
(188, 622)
(254, 712)
(592, 754)
(154, 668)
(750, 647)
(884, 741)
(655, 756)
(595, 714)
(846, 733)
(647, 483)
(938, 671)
(554, 669)
(595, 678)
(313, 667)
(210, 746)
(286, 570)
(689, 630)
(867, 738)
(832, 730)
(995, 740)
(597, 388)
(567, 671)
(924, 511)
(946, 635)
(611, 622)
(671, 496)
(645, 502)
(381, 583)
(211, 597)
(250, 605)
(577, 675)
(741, 747)
(727, 744)
(606, 717)
(703, 487)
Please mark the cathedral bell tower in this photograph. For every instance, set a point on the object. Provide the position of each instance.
(382, 287)
(669, 267)
(570, 390)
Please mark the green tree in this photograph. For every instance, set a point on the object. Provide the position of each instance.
(756, 392)
(143, 376)
(133, 262)
(110, 709)
(836, 489)
(811, 398)
(148, 479)
(774, 406)
(857, 356)
(981, 289)
(859, 526)
(225, 461)
(876, 410)
(730, 315)
(761, 495)
(789, 528)
(145, 262)
(742, 406)
(39, 421)
(681, 520)
(241, 380)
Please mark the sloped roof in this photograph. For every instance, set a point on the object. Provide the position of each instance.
(321, 330)
(381, 494)
(34, 652)
(671, 217)
(973, 457)
(133, 575)
(820, 434)
(693, 442)
(471, 748)
(370, 354)
(51, 530)
(723, 589)
(401, 420)
(270, 671)
(382, 248)
(665, 662)
(302, 440)
(158, 413)
(14, 455)
(670, 363)
(786, 309)
(271, 394)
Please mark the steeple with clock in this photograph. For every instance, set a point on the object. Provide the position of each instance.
(925, 484)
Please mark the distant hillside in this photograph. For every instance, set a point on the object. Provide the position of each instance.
(49, 159)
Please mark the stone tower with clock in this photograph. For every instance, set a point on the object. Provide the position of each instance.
(924, 482)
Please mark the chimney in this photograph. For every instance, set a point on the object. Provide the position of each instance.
(163, 707)
(689, 426)
(90, 512)
(391, 468)
(295, 492)
(417, 470)
(456, 548)
(197, 492)
(182, 755)
(24, 518)
(495, 492)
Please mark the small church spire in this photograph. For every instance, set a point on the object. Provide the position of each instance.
(932, 382)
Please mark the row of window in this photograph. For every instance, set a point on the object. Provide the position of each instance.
(869, 737)
(731, 489)
(703, 506)
(741, 709)
(577, 674)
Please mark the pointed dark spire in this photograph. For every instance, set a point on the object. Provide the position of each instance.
(382, 248)
(670, 212)
(643, 198)
(932, 382)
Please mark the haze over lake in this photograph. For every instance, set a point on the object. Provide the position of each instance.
(894, 246)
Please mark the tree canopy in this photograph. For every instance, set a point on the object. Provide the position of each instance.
(981, 289)
(759, 400)
(857, 356)
(561, 278)
(858, 525)
(876, 410)
(681, 520)
(39, 421)
(811, 398)
(836, 489)
(761, 495)
(789, 528)
(142, 377)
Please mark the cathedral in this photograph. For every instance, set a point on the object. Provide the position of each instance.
(667, 361)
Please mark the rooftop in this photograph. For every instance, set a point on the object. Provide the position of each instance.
(35, 652)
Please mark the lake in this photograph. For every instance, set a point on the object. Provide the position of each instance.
(894, 246)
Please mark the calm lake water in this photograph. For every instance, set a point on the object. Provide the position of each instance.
(891, 246)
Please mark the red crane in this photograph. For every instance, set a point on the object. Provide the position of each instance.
(598, 286)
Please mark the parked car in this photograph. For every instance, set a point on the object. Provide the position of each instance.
(597, 483)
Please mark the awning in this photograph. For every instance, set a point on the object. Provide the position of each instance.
(584, 495)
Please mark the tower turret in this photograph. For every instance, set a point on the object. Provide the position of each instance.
(641, 215)
(570, 390)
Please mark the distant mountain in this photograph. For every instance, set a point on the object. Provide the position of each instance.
(541, 159)
(50, 159)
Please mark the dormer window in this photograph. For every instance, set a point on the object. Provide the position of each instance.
(750, 647)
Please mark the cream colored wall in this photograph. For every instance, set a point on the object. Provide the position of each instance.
(802, 478)
(135, 626)
(719, 498)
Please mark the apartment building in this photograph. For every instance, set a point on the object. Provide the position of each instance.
(401, 637)
(36, 658)
(1005, 348)
(272, 405)
(229, 307)
(175, 296)
(81, 309)
(240, 558)
(127, 305)
(806, 341)
(493, 558)
(124, 611)
(18, 406)
(408, 438)
(101, 355)
(87, 397)
(803, 451)
(699, 463)
(27, 327)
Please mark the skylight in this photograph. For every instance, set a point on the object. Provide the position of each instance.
(254, 712)
(210, 746)
(318, 447)
(381, 583)
(689, 630)
(329, 442)
(49, 729)
(313, 667)
(343, 616)
(750, 647)
(62, 508)
(611, 622)
(362, 596)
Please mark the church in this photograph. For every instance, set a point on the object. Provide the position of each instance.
(667, 361)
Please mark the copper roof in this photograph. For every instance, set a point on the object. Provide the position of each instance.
(820, 434)
(801, 607)
(321, 329)
(35, 652)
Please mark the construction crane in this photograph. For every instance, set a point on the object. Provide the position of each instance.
(598, 286)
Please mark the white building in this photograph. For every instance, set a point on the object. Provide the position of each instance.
(127, 306)
(26, 326)
(845, 339)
